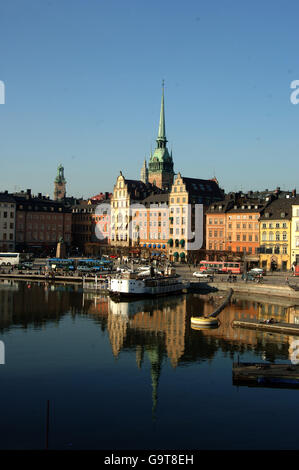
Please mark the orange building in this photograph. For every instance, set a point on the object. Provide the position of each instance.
(232, 228)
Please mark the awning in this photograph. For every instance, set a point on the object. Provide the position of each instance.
(175, 254)
(182, 255)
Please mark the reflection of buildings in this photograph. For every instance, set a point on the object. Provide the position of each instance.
(165, 318)
(272, 346)
(150, 326)
(36, 304)
(7, 289)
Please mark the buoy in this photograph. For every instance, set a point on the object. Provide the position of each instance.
(204, 321)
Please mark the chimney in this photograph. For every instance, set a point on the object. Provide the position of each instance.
(294, 193)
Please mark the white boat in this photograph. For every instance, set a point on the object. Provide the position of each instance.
(133, 285)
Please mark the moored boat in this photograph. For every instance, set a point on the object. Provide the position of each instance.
(129, 285)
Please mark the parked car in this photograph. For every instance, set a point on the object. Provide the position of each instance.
(85, 269)
(25, 265)
(255, 271)
(204, 275)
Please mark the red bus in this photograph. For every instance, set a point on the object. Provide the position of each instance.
(221, 266)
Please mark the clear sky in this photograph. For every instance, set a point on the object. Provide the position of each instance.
(83, 88)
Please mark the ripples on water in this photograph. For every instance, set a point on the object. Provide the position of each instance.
(133, 375)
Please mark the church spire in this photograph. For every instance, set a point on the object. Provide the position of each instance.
(144, 172)
(161, 140)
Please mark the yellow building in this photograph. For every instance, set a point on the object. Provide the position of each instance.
(295, 233)
(185, 229)
(275, 235)
(126, 194)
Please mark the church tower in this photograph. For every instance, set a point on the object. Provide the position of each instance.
(144, 173)
(59, 184)
(160, 168)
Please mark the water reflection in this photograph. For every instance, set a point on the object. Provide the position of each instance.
(156, 336)
(164, 322)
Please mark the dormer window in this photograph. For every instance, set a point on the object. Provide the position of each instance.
(267, 214)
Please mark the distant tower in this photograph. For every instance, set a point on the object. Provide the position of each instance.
(160, 167)
(59, 184)
(144, 173)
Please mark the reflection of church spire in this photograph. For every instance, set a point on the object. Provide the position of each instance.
(139, 355)
(155, 357)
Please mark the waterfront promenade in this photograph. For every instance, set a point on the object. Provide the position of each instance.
(276, 284)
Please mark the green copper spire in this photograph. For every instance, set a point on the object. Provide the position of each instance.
(160, 167)
(161, 132)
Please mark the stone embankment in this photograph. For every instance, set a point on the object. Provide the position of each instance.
(261, 289)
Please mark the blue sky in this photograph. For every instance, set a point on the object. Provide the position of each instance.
(83, 88)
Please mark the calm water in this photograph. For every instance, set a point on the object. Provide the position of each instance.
(135, 375)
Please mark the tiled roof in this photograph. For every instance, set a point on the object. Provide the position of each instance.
(280, 208)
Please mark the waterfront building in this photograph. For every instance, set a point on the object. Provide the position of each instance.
(160, 168)
(7, 222)
(243, 229)
(295, 232)
(232, 228)
(151, 225)
(275, 235)
(40, 223)
(185, 195)
(91, 224)
(126, 194)
(59, 184)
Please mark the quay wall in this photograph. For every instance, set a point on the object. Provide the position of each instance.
(268, 290)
